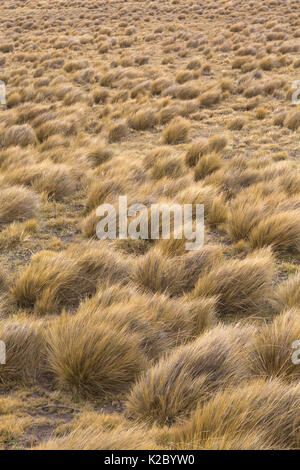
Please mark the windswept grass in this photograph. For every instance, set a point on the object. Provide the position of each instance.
(133, 343)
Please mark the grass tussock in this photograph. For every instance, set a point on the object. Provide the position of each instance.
(176, 132)
(280, 231)
(57, 181)
(158, 322)
(190, 374)
(142, 120)
(99, 152)
(17, 203)
(206, 165)
(16, 233)
(217, 143)
(195, 151)
(90, 358)
(3, 280)
(24, 346)
(236, 124)
(17, 135)
(226, 421)
(241, 285)
(272, 350)
(117, 131)
(293, 120)
(51, 279)
(163, 270)
(209, 98)
(287, 294)
(101, 192)
(157, 273)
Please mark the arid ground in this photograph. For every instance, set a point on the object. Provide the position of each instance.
(141, 344)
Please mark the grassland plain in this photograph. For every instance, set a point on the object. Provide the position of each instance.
(139, 344)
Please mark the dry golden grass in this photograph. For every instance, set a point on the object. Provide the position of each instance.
(142, 120)
(17, 203)
(240, 285)
(93, 431)
(209, 98)
(12, 429)
(281, 231)
(91, 438)
(163, 102)
(293, 121)
(176, 132)
(17, 135)
(24, 347)
(226, 421)
(192, 373)
(207, 165)
(287, 294)
(17, 233)
(159, 323)
(117, 131)
(272, 348)
(236, 124)
(53, 280)
(195, 151)
(97, 362)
